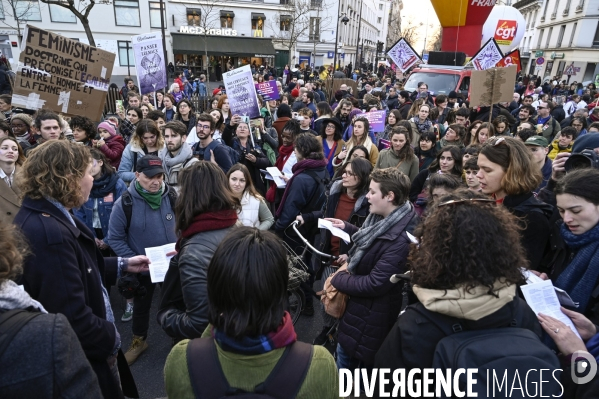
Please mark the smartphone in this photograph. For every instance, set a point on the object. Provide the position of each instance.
(245, 119)
(343, 148)
(119, 106)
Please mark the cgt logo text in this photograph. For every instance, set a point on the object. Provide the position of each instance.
(460, 383)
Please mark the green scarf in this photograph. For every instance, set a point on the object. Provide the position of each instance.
(153, 199)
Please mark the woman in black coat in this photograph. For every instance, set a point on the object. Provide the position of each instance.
(65, 271)
(508, 174)
(458, 283)
(380, 250)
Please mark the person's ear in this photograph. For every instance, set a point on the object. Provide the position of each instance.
(390, 196)
(137, 175)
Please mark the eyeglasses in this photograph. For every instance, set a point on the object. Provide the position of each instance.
(464, 201)
(204, 127)
(330, 126)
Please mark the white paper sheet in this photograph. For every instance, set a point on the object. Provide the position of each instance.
(541, 298)
(562, 296)
(277, 175)
(325, 224)
(160, 261)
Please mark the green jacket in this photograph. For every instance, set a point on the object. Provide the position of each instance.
(388, 159)
(247, 371)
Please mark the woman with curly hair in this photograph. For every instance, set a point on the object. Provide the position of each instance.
(147, 140)
(508, 173)
(465, 273)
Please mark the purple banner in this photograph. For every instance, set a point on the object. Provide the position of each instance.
(376, 119)
(268, 90)
(241, 92)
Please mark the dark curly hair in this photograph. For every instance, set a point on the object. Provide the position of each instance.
(85, 124)
(308, 146)
(468, 244)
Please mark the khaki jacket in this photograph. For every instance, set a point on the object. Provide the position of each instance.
(10, 201)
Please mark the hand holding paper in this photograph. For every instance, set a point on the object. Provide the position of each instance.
(337, 232)
(159, 261)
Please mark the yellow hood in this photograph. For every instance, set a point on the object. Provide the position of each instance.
(473, 305)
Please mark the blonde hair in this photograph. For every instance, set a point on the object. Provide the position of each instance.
(54, 170)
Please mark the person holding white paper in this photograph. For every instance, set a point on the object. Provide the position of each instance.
(577, 197)
(285, 160)
(203, 221)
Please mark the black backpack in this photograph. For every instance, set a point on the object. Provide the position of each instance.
(209, 382)
(11, 322)
(127, 203)
(200, 153)
(493, 351)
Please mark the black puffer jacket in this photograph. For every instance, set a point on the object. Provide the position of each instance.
(183, 311)
(374, 302)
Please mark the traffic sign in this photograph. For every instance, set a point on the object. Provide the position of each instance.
(540, 61)
(570, 70)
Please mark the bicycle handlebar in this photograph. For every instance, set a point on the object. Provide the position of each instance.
(294, 225)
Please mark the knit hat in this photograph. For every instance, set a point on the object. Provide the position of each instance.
(589, 140)
(295, 93)
(109, 127)
(23, 117)
(215, 92)
(452, 94)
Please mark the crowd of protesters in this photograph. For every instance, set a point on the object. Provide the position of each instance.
(454, 199)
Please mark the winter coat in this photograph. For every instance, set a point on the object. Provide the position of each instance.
(86, 212)
(404, 109)
(550, 129)
(113, 149)
(535, 214)
(131, 155)
(374, 302)
(187, 317)
(149, 228)
(5, 83)
(65, 273)
(554, 149)
(45, 361)
(388, 159)
(393, 102)
(10, 203)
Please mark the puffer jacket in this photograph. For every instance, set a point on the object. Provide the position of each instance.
(374, 302)
(183, 311)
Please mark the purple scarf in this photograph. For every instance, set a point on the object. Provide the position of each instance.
(297, 169)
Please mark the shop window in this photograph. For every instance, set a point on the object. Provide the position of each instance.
(61, 14)
(127, 12)
(314, 29)
(126, 53)
(285, 23)
(28, 10)
(155, 15)
(226, 20)
(193, 16)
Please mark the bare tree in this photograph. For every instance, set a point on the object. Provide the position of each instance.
(436, 40)
(20, 11)
(81, 10)
(409, 32)
(294, 20)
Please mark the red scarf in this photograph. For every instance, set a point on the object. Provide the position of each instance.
(209, 221)
(285, 152)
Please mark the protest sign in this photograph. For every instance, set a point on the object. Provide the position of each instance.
(241, 92)
(268, 90)
(488, 56)
(492, 86)
(151, 70)
(512, 58)
(403, 55)
(62, 75)
(376, 120)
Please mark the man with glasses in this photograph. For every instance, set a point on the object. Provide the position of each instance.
(423, 92)
(392, 99)
(546, 125)
(207, 149)
(177, 155)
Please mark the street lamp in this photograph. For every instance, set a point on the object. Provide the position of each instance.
(345, 20)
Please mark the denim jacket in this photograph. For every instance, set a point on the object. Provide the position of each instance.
(85, 213)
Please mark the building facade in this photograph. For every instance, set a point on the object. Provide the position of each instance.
(564, 41)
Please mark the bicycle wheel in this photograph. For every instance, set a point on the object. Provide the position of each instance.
(296, 301)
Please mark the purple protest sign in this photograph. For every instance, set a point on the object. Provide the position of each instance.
(268, 90)
(241, 92)
(376, 120)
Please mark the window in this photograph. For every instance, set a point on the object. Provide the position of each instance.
(28, 10)
(193, 16)
(560, 68)
(155, 15)
(572, 34)
(285, 23)
(596, 38)
(545, 11)
(283, 1)
(1, 11)
(380, 6)
(125, 50)
(314, 29)
(258, 24)
(61, 14)
(548, 37)
(226, 19)
(562, 30)
(553, 15)
(567, 8)
(315, 3)
(540, 38)
(127, 12)
(379, 20)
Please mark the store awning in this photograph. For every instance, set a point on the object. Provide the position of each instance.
(258, 15)
(227, 14)
(222, 46)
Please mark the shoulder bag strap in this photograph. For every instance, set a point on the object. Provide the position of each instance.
(11, 322)
(288, 376)
(205, 372)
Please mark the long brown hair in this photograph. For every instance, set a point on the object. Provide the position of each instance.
(249, 184)
(195, 199)
(21, 159)
(147, 126)
(406, 152)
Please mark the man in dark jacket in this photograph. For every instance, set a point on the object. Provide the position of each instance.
(392, 99)
(405, 103)
(5, 82)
